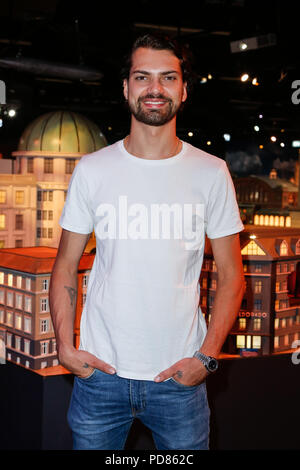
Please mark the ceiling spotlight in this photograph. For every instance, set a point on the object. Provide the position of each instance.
(1, 123)
(11, 113)
(273, 138)
(296, 143)
(282, 144)
(260, 116)
(243, 46)
(190, 134)
(209, 76)
(261, 146)
(227, 137)
(254, 81)
(244, 77)
(252, 236)
(203, 80)
(208, 142)
(256, 42)
(256, 128)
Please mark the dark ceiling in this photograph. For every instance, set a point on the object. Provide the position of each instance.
(96, 34)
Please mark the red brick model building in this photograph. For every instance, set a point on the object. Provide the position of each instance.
(25, 320)
(269, 317)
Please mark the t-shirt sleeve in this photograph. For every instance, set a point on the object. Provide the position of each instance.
(223, 215)
(76, 215)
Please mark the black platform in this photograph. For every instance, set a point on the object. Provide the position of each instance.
(255, 405)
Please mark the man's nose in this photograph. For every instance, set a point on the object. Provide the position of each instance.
(155, 86)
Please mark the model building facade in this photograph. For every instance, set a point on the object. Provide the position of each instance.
(25, 320)
(269, 317)
(31, 199)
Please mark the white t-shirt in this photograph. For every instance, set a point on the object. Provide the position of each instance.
(150, 218)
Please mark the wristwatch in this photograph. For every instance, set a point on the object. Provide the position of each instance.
(210, 363)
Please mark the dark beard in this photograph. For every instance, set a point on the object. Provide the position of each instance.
(154, 117)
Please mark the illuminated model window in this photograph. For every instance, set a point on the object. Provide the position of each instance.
(257, 287)
(256, 342)
(257, 324)
(283, 248)
(240, 341)
(2, 221)
(10, 279)
(2, 197)
(298, 247)
(19, 198)
(252, 249)
(242, 323)
(9, 318)
(18, 322)
(1, 278)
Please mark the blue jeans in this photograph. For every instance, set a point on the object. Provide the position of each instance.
(103, 407)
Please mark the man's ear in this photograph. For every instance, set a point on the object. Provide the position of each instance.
(125, 88)
(184, 94)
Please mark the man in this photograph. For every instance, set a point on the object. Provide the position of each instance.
(151, 199)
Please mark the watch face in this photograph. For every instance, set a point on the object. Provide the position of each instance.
(213, 364)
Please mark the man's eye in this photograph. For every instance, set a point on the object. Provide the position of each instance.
(141, 77)
(170, 78)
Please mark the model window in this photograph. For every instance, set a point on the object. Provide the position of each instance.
(2, 197)
(18, 322)
(44, 305)
(27, 325)
(44, 326)
(19, 197)
(29, 165)
(48, 165)
(28, 283)
(44, 347)
(283, 248)
(2, 221)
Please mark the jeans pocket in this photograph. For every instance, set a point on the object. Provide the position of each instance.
(182, 385)
(89, 376)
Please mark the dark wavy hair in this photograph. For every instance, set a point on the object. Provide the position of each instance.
(161, 42)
